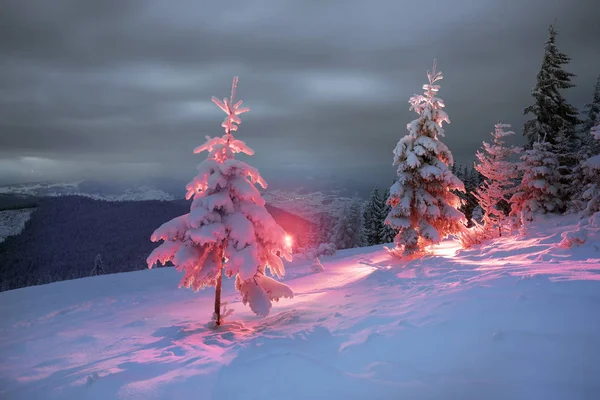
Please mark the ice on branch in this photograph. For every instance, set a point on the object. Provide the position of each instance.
(228, 231)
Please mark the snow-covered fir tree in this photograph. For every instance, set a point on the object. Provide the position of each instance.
(373, 218)
(592, 112)
(98, 266)
(424, 209)
(554, 119)
(592, 173)
(348, 230)
(228, 231)
(579, 177)
(386, 232)
(500, 174)
(540, 190)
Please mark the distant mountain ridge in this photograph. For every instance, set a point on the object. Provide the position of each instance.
(88, 188)
(300, 201)
(64, 234)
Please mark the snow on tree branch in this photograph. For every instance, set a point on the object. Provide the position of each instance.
(228, 230)
(423, 207)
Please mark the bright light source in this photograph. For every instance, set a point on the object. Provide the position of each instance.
(288, 240)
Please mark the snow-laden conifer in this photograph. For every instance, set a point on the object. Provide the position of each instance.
(592, 173)
(554, 119)
(589, 145)
(499, 178)
(228, 230)
(424, 210)
(540, 190)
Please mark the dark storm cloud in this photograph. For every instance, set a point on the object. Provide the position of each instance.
(123, 87)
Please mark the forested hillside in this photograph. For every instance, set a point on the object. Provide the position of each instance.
(64, 235)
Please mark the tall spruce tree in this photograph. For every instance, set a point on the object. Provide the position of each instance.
(424, 209)
(591, 195)
(592, 111)
(554, 119)
(579, 175)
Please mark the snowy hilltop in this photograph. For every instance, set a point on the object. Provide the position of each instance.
(516, 320)
(457, 283)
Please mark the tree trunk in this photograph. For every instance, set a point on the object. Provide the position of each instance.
(499, 227)
(218, 299)
(218, 259)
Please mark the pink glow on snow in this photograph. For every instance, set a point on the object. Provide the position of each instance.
(446, 249)
(288, 240)
(151, 339)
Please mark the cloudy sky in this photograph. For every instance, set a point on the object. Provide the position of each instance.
(117, 88)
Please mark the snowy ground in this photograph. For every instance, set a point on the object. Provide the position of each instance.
(12, 222)
(518, 319)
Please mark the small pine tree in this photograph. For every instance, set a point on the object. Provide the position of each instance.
(499, 174)
(424, 209)
(554, 119)
(539, 191)
(98, 266)
(228, 231)
(373, 217)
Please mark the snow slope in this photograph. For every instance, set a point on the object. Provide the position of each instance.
(516, 319)
(12, 222)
